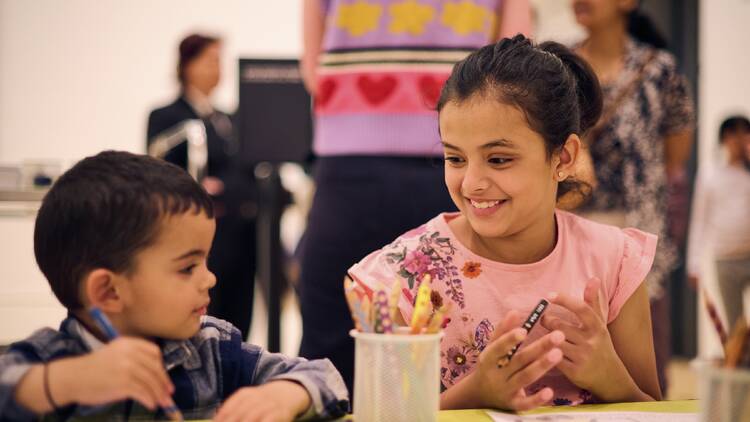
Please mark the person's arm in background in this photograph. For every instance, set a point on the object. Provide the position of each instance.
(313, 26)
(513, 17)
(677, 148)
(699, 215)
(154, 126)
(676, 129)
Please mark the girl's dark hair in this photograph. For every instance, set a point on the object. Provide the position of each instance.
(191, 47)
(642, 28)
(556, 90)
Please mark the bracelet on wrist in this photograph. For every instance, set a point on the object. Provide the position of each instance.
(47, 391)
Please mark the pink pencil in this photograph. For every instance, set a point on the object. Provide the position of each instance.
(714, 315)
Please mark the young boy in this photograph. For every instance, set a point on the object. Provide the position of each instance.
(130, 235)
(719, 220)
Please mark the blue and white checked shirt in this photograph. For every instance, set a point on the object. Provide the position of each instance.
(205, 369)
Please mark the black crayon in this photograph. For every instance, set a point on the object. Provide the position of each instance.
(532, 319)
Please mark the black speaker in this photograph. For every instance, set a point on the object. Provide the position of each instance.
(274, 115)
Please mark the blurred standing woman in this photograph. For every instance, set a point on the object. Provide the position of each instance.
(232, 257)
(643, 139)
(375, 69)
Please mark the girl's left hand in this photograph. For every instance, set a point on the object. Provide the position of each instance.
(589, 357)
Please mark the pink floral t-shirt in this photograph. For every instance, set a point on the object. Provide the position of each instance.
(483, 291)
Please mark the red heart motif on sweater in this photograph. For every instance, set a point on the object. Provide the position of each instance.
(325, 92)
(374, 90)
(430, 88)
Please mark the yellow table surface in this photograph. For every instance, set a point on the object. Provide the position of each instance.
(480, 415)
(677, 406)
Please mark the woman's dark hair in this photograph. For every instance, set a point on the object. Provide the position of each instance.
(103, 211)
(191, 47)
(732, 125)
(556, 90)
(642, 28)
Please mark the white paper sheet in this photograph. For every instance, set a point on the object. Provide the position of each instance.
(597, 417)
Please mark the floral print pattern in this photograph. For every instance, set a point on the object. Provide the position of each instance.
(472, 269)
(459, 360)
(482, 334)
(434, 255)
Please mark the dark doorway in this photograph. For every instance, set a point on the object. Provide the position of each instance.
(678, 21)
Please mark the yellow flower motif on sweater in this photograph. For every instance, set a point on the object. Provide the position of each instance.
(410, 16)
(359, 18)
(466, 17)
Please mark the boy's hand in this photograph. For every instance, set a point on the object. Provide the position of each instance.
(504, 387)
(125, 368)
(590, 357)
(276, 401)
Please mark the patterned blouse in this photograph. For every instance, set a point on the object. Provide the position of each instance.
(481, 291)
(629, 153)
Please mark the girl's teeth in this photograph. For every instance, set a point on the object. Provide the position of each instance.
(482, 205)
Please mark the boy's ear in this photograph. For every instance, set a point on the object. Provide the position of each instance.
(567, 158)
(100, 290)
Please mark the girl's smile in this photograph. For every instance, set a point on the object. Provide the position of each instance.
(485, 207)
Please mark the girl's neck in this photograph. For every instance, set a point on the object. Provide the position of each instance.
(605, 43)
(525, 247)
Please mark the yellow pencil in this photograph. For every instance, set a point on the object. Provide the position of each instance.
(438, 317)
(422, 306)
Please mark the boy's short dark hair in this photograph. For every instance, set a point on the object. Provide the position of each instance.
(103, 211)
(732, 125)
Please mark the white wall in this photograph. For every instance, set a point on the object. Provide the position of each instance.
(724, 88)
(79, 76)
(554, 20)
(724, 67)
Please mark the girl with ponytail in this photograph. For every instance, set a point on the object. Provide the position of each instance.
(511, 119)
(640, 145)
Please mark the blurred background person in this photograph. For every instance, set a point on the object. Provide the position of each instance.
(719, 221)
(231, 186)
(642, 142)
(375, 70)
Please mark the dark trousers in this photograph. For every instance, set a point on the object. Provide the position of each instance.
(232, 260)
(361, 204)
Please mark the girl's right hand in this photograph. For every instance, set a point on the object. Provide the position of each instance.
(503, 387)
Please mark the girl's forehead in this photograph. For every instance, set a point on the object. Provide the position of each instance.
(484, 120)
(482, 107)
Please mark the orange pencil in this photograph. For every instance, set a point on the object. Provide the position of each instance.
(359, 316)
(735, 346)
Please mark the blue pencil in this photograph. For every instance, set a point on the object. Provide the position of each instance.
(103, 322)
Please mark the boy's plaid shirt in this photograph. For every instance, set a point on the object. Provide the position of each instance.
(205, 369)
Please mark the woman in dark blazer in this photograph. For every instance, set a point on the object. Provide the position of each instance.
(230, 184)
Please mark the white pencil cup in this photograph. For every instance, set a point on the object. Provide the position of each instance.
(396, 377)
(724, 393)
